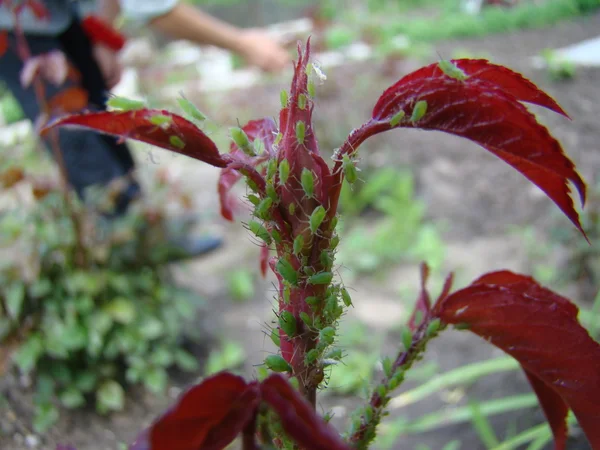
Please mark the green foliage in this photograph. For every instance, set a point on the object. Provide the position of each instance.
(399, 232)
(558, 68)
(88, 306)
(241, 285)
(230, 356)
(9, 107)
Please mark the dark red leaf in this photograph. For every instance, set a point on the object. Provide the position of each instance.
(264, 260)
(501, 77)
(298, 418)
(208, 416)
(539, 328)
(102, 33)
(423, 305)
(3, 42)
(180, 136)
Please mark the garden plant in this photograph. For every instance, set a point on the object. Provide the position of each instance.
(294, 195)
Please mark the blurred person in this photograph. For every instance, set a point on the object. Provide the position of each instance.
(91, 158)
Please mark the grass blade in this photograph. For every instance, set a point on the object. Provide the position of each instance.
(482, 426)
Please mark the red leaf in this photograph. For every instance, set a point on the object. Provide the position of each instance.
(264, 260)
(180, 136)
(3, 42)
(101, 32)
(423, 304)
(485, 109)
(70, 100)
(539, 328)
(298, 418)
(208, 416)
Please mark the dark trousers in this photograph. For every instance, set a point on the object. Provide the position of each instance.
(90, 158)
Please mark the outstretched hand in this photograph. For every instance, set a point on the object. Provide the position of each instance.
(262, 51)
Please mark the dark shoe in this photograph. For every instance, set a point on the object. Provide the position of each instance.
(188, 247)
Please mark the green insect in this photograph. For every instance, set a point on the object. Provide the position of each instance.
(161, 120)
(320, 278)
(287, 322)
(326, 259)
(272, 193)
(327, 335)
(259, 146)
(298, 244)
(452, 70)
(336, 354)
(284, 171)
(300, 132)
(190, 109)
(278, 138)
(176, 142)
(240, 138)
(397, 118)
(335, 240)
(316, 218)
(406, 338)
(253, 199)
(276, 363)
(306, 319)
(311, 357)
(271, 168)
(276, 236)
(433, 327)
(292, 209)
(350, 170)
(346, 297)
(387, 364)
(283, 97)
(275, 337)
(302, 101)
(311, 89)
(312, 301)
(125, 104)
(419, 111)
(287, 293)
(307, 180)
(263, 208)
(287, 271)
(260, 231)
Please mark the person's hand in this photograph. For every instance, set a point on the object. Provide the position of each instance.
(260, 50)
(109, 64)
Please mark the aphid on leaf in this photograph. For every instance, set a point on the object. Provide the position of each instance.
(433, 327)
(316, 218)
(292, 209)
(306, 319)
(125, 104)
(326, 259)
(335, 240)
(346, 297)
(311, 357)
(283, 97)
(287, 271)
(300, 132)
(298, 244)
(333, 223)
(320, 74)
(397, 118)
(263, 208)
(284, 171)
(240, 138)
(320, 278)
(260, 231)
(452, 70)
(271, 168)
(327, 335)
(419, 111)
(276, 363)
(287, 322)
(307, 180)
(278, 139)
(302, 101)
(286, 295)
(350, 170)
(387, 363)
(276, 236)
(272, 193)
(312, 301)
(336, 354)
(275, 337)
(190, 109)
(161, 120)
(259, 146)
(311, 89)
(252, 185)
(253, 199)
(176, 141)
(406, 338)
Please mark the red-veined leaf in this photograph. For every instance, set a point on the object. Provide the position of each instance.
(501, 77)
(3, 42)
(208, 416)
(180, 135)
(298, 418)
(484, 113)
(539, 328)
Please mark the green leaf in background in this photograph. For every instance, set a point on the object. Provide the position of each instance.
(71, 398)
(231, 356)
(241, 285)
(46, 415)
(155, 380)
(27, 355)
(186, 361)
(121, 310)
(109, 397)
(15, 296)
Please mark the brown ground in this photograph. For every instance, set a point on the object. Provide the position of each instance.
(477, 196)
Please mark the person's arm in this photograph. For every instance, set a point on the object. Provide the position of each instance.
(108, 10)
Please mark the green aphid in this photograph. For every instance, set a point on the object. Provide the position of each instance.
(284, 171)
(272, 193)
(333, 223)
(276, 236)
(327, 335)
(271, 168)
(350, 170)
(387, 367)
(346, 297)
(406, 338)
(396, 380)
(298, 244)
(278, 139)
(311, 89)
(252, 185)
(312, 301)
(275, 337)
(260, 231)
(418, 318)
(253, 199)
(300, 132)
(311, 357)
(190, 109)
(462, 326)
(451, 69)
(283, 97)
(176, 142)
(382, 391)
(335, 240)
(368, 413)
(326, 259)
(316, 218)
(161, 120)
(240, 138)
(336, 354)
(292, 209)
(125, 104)
(419, 111)
(302, 101)
(263, 208)
(433, 327)
(259, 146)
(307, 180)
(287, 293)
(287, 271)
(276, 363)
(397, 118)
(306, 319)
(309, 270)
(321, 278)
(287, 322)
